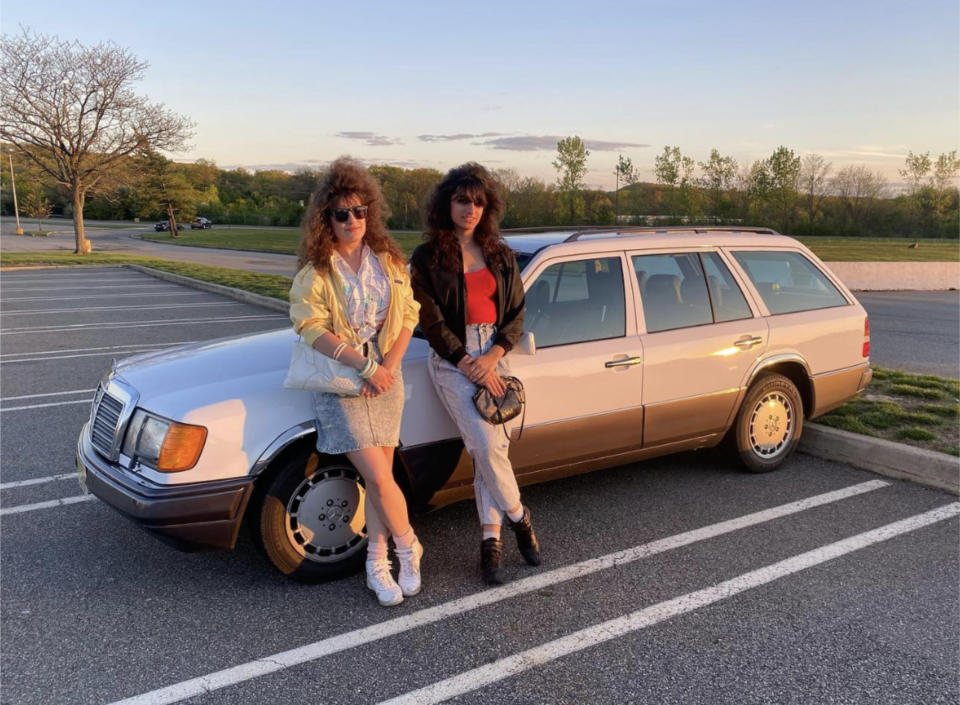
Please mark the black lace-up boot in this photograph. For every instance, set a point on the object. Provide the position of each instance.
(526, 539)
(491, 553)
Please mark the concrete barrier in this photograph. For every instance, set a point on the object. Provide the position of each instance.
(894, 276)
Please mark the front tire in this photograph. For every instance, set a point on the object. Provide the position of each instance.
(311, 524)
(769, 423)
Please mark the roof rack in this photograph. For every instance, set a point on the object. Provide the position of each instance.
(611, 231)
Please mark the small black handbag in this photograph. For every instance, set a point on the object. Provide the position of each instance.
(507, 407)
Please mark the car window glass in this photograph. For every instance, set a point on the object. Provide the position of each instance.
(575, 302)
(728, 301)
(673, 291)
(788, 281)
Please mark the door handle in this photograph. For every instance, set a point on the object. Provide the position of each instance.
(626, 362)
(748, 342)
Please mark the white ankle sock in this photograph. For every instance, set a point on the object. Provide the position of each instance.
(406, 540)
(491, 533)
(376, 550)
(515, 516)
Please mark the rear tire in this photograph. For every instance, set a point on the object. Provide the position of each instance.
(311, 523)
(769, 423)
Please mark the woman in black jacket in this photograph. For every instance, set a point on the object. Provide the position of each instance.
(467, 282)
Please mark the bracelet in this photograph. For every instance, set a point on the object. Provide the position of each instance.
(339, 351)
(368, 370)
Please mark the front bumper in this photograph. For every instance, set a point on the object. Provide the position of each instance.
(197, 516)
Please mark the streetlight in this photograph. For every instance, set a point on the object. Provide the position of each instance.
(13, 186)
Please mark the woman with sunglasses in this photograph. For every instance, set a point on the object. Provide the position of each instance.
(352, 301)
(468, 284)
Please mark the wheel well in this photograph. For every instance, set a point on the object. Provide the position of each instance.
(299, 446)
(796, 373)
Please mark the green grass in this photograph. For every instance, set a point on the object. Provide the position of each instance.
(914, 434)
(862, 249)
(830, 249)
(920, 410)
(272, 285)
(281, 240)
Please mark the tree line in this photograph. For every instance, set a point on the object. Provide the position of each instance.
(799, 195)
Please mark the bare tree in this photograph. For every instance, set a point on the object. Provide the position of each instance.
(814, 171)
(70, 109)
(855, 186)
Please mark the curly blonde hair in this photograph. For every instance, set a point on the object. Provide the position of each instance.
(345, 178)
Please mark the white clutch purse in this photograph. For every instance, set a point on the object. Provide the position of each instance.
(315, 372)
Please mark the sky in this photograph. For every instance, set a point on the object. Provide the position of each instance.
(292, 83)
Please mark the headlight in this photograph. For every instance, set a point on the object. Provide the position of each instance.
(164, 445)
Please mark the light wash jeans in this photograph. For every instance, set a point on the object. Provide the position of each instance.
(494, 483)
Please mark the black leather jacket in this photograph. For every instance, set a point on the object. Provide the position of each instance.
(443, 312)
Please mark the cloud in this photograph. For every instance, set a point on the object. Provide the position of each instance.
(456, 137)
(604, 146)
(863, 152)
(369, 138)
(534, 143)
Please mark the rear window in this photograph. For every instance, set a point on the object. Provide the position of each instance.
(789, 282)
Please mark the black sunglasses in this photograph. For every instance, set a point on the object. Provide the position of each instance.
(341, 214)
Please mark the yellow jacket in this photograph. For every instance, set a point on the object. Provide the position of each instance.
(317, 305)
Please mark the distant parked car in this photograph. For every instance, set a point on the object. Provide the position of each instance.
(162, 225)
(200, 224)
(637, 343)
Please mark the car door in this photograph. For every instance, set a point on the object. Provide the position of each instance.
(700, 339)
(585, 381)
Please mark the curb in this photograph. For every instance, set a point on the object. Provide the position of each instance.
(247, 297)
(924, 467)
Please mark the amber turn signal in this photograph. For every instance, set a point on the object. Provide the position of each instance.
(181, 447)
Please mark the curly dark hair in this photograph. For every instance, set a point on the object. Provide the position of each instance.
(475, 182)
(345, 178)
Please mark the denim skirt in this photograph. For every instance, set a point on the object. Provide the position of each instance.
(345, 424)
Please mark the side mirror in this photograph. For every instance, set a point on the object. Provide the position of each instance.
(526, 345)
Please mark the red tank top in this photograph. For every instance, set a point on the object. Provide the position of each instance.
(481, 290)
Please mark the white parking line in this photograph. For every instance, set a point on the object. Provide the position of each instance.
(102, 347)
(8, 289)
(43, 406)
(37, 481)
(48, 394)
(391, 627)
(138, 324)
(152, 295)
(641, 619)
(136, 307)
(19, 509)
(128, 281)
(116, 353)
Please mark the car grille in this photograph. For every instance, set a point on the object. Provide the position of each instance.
(104, 432)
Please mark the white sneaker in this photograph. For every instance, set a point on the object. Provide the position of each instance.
(409, 578)
(382, 583)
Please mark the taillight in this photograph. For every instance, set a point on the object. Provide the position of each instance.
(866, 337)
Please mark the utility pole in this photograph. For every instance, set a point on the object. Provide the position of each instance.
(13, 186)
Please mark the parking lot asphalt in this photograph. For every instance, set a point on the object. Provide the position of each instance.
(918, 331)
(681, 579)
